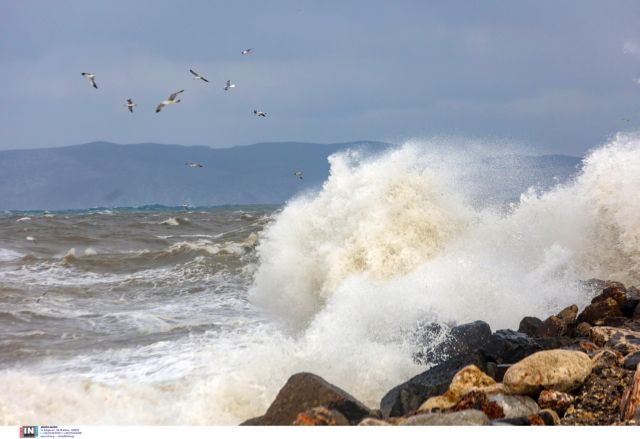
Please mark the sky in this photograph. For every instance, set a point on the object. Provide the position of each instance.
(558, 76)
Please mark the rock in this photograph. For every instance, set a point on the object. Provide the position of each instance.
(554, 369)
(408, 396)
(464, 381)
(549, 416)
(583, 329)
(622, 340)
(595, 313)
(597, 402)
(632, 360)
(371, 422)
(614, 292)
(636, 313)
(630, 403)
(515, 406)
(304, 391)
(588, 347)
(529, 326)
(461, 339)
(557, 401)
(479, 401)
(507, 346)
(569, 314)
(466, 417)
(535, 419)
(552, 327)
(606, 358)
(320, 416)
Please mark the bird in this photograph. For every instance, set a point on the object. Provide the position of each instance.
(198, 76)
(91, 77)
(298, 174)
(194, 165)
(172, 100)
(229, 85)
(247, 51)
(130, 105)
(41, 296)
(259, 113)
(626, 120)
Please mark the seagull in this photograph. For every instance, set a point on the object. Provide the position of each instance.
(259, 113)
(172, 100)
(229, 85)
(130, 105)
(91, 77)
(626, 120)
(198, 76)
(247, 51)
(194, 165)
(298, 174)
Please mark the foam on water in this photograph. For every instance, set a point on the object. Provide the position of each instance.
(347, 272)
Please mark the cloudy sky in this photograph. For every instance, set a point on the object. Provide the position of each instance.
(555, 75)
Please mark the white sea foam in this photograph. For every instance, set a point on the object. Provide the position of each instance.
(9, 255)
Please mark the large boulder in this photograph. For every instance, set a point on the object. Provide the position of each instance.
(554, 370)
(623, 340)
(465, 417)
(458, 340)
(408, 396)
(305, 391)
(599, 311)
(529, 326)
(506, 346)
(464, 381)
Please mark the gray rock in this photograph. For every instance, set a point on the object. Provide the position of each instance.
(632, 360)
(529, 326)
(508, 346)
(464, 417)
(460, 339)
(515, 406)
(409, 395)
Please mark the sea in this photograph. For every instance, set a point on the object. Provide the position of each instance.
(198, 315)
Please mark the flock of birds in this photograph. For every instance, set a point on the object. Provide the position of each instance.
(173, 99)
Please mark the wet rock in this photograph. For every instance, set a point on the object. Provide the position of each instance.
(552, 327)
(606, 358)
(636, 313)
(630, 403)
(614, 292)
(597, 402)
(622, 340)
(508, 346)
(597, 312)
(320, 416)
(408, 396)
(304, 391)
(557, 401)
(460, 339)
(554, 369)
(464, 381)
(583, 329)
(373, 422)
(479, 401)
(466, 417)
(515, 406)
(529, 326)
(569, 314)
(632, 360)
(549, 417)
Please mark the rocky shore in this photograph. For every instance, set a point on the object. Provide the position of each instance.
(573, 368)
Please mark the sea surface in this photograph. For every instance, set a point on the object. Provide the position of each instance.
(197, 316)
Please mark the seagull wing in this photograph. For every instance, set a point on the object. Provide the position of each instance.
(194, 73)
(173, 96)
(159, 107)
(204, 79)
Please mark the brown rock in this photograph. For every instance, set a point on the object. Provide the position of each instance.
(479, 401)
(551, 328)
(583, 329)
(320, 416)
(622, 340)
(557, 401)
(555, 369)
(304, 391)
(569, 314)
(636, 313)
(614, 292)
(529, 325)
(372, 422)
(587, 346)
(606, 358)
(467, 379)
(550, 417)
(595, 313)
(630, 403)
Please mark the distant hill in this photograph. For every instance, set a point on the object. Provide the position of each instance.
(109, 175)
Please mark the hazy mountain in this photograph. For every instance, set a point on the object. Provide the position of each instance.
(107, 174)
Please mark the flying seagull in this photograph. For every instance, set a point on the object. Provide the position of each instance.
(259, 113)
(172, 100)
(229, 85)
(91, 77)
(194, 165)
(247, 51)
(298, 174)
(198, 76)
(130, 105)
(626, 120)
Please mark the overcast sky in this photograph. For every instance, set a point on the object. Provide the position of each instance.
(555, 75)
